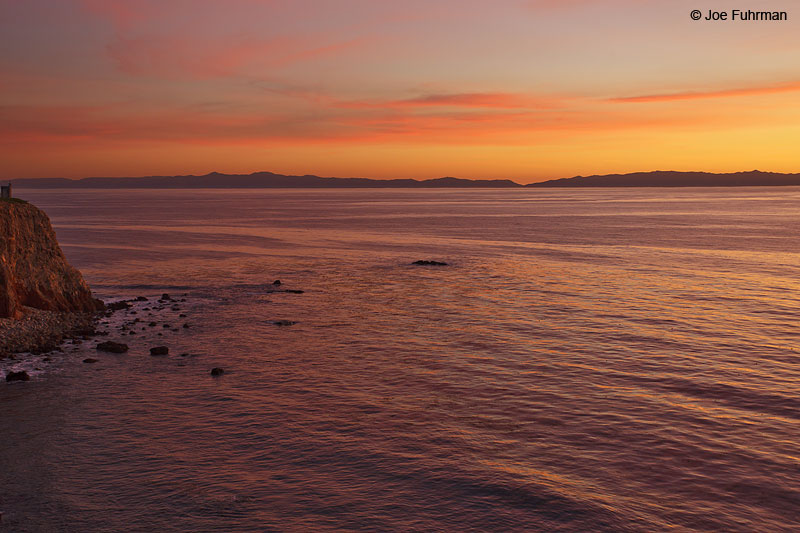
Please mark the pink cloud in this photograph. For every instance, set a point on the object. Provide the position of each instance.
(560, 4)
(177, 57)
(124, 15)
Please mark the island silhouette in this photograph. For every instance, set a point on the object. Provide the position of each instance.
(267, 180)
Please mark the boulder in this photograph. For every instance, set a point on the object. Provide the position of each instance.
(429, 263)
(113, 347)
(118, 306)
(217, 371)
(18, 376)
(83, 331)
(89, 360)
(159, 350)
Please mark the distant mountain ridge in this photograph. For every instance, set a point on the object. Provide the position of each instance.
(269, 180)
(661, 178)
(257, 180)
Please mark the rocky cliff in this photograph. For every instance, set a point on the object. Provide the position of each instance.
(33, 270)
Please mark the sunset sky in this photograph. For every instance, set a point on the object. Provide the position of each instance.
(521, 89)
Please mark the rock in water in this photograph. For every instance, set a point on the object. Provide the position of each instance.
(83, 331)
(429, 263)
(217, 371)
(276, 282)
(159, 350)
(33, 270)
(19, 376)
(113, 347)
(90, 360)
(117, 306)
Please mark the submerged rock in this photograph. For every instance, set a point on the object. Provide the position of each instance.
(90, 360)
(284, 323)
(84, 331)
(276, 282)
(217, 371)
(118, 306)
(159, 350)
(429, 263)
(113, 347)
(18, 376)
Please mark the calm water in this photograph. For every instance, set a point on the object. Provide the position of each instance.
(592, 360)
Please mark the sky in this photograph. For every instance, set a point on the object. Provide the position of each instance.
(520, 89)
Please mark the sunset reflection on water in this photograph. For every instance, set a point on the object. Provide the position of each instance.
(590, 360)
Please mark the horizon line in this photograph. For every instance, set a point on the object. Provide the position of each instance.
(419, 180)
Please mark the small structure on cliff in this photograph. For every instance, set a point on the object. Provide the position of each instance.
(5, 191)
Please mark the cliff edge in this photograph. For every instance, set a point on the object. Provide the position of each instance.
(33, 270)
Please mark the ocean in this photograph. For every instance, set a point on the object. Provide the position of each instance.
(589, 360)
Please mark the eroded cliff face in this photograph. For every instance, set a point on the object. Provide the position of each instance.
(33, 270)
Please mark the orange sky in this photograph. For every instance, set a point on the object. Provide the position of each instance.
(520, 89)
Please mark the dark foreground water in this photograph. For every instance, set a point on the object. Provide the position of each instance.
(592, 360)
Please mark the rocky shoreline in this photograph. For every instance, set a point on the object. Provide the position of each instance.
(43, 331)
(43, 299)
(43, 340)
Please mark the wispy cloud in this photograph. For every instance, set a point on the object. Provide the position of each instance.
(724, 93)
(167, 40)
(490, 100)
(122, 14)
(322, 123)
(176, 57)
